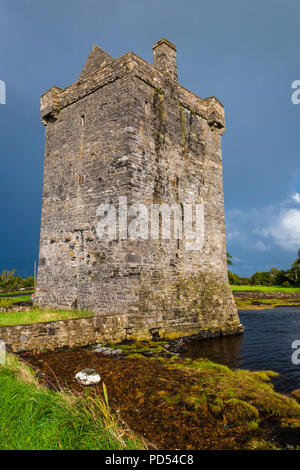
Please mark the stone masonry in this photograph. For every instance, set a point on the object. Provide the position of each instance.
(75, 333)
(127, 128)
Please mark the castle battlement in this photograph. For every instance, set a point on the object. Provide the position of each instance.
(55, 99)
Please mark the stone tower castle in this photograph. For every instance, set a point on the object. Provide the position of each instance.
(127, 131)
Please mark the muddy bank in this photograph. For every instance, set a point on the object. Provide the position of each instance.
(172, 407)
(140, 389)
(266, 295)
(261, 300)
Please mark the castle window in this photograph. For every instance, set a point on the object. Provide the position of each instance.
(82, 119)
(147, 108)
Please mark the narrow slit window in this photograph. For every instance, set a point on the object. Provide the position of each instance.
(82, 119)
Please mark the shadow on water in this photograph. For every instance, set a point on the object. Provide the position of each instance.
(265, 345)
(225, 350)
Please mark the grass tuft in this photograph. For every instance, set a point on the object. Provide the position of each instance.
(8, 302)
(255, 388)
(35, 418)
(296, 394)
(37, 315)
(264, 289)
(237, 412)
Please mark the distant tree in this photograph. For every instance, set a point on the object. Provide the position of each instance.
(273, 274)
(294, 273)
(233, 279)
(244, 281)
(293, 276)
(229, 259)
(296, 263)
(281, 278)
(7, 279)
(17, 282)
(28, 282)
(261, 279)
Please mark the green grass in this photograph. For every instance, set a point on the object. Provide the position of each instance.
(29, 291)
(35, 418)
(11, 301)
(36, 315)
(265, 289)
(138, 348)
(251, 387)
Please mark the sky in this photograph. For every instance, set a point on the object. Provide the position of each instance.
(243, 52)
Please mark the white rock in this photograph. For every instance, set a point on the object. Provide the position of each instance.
(107, 351)
(87, 377)
(118, 351)
(100, 349)
(113, 352)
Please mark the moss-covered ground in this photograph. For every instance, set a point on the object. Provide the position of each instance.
(183, 403)
(38, 315)
(264, 289)
(259, 304)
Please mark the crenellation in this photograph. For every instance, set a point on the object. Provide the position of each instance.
(50, 105)
(208, 108)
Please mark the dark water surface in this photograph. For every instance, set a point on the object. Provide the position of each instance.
(266, 344)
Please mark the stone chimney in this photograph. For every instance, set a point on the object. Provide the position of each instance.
(164, 58)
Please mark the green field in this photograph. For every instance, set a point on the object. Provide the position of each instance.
(4, 294)
(264, 289)
(35, 418)
(11, 301)
(36, 315)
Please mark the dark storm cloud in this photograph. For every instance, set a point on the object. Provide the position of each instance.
(243, 52)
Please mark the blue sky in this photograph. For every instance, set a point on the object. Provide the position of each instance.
(243, 52)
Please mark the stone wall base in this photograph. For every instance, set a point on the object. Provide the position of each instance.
(91, 330)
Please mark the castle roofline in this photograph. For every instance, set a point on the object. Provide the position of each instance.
(97, 58)
(56, 98)
(164, 41)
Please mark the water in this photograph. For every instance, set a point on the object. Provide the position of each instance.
(266, 344)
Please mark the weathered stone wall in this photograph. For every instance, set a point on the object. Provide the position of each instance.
(82, 332)
(128, 129)
(56, 334)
